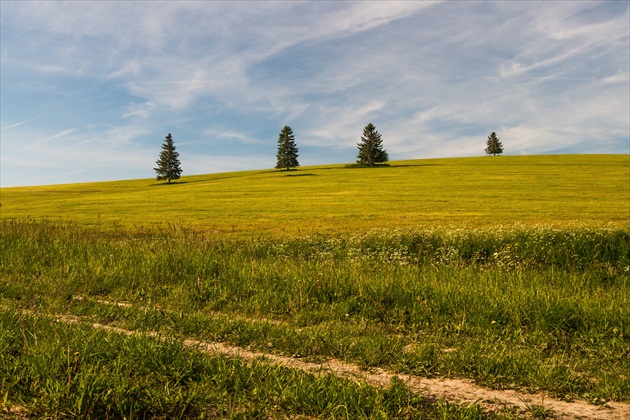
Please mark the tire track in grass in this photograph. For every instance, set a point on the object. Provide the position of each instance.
(125, 304)
(452, 390)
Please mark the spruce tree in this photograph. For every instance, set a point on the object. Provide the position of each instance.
(371, 149)
(287, 150)
(168, 165)
(493, 145)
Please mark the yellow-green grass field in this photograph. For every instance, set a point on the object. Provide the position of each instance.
(512, 272)
(546, 190)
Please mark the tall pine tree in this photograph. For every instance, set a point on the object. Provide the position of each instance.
(493, 145)
(168, 165)
(287, 150)
(371, 149)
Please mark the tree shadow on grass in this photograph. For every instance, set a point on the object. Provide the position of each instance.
(197, 181)
(411, 165)
(362, 165)
(164, 184)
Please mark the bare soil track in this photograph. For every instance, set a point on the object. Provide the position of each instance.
(452, 390)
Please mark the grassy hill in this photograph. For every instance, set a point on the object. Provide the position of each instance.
(100, 323)
(550, 190)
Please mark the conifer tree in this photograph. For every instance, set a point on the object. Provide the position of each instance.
(493, 145)
(371, 149)
(287, 150)
(168, 165)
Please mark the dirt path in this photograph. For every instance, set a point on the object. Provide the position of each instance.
(452, 390)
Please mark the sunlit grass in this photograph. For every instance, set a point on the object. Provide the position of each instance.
(535, 308)
(512, 271)
(70, 371)
(567, 190)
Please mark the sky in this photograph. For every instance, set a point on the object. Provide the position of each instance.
(90, 89)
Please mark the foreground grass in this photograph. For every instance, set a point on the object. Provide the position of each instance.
(63, 371)
(376, 267)
(565, 190)
(534, 309)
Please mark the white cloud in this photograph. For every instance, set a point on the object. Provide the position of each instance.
(230, 135)
(51, 140)
(434, 77)
(620, 77)
(17, 124)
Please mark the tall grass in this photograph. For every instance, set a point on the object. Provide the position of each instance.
(67, 371)
(532, 308)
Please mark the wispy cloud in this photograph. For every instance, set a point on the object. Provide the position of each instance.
(57, 136)
(17, 124)
(434, 77)
(230, 135)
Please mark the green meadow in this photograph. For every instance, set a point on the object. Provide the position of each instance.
(564, 190)
(513, 272)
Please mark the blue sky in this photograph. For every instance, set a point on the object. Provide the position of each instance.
(90, 89)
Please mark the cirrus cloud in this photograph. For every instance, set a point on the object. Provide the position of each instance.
(105, 81)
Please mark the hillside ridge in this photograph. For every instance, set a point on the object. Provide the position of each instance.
(549, 190)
